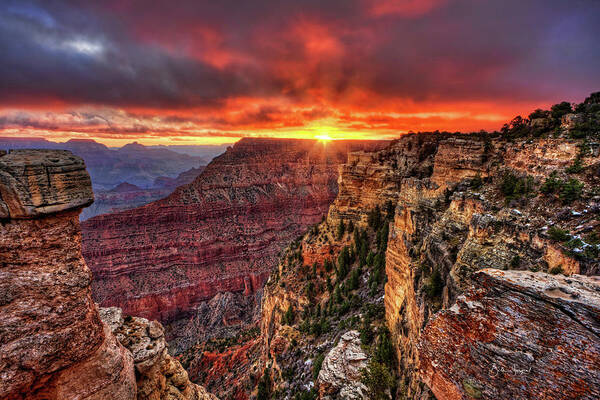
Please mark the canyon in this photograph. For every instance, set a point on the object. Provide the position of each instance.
(197, 260)
(54, 342)
(470, 271)
(438, 266)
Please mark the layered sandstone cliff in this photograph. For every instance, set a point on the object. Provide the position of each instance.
(221, 234)
(53, 344)
(458, 204)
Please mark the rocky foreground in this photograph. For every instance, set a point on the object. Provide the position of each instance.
(54, 344)
(198, 259)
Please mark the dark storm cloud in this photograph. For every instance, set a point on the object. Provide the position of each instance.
(165, 54)
(52, 52)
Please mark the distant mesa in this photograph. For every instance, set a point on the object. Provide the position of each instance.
(124, 187)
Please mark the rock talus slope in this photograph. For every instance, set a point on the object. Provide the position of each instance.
(220, 234)
(53, 344)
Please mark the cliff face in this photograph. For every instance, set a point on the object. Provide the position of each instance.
(53, 344)
(455, 204)
(50, 331)
(220, 234)
(516, 335)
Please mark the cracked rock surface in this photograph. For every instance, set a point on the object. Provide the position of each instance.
(516, 335)
(341, 370)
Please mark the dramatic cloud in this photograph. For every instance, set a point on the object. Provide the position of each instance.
(357, 68)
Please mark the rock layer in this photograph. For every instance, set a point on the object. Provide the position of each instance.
(50, 331)
(457, 204)
(516, 335)
(222, 233)
(53, 344)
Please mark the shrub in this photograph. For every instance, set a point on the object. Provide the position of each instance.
(390, 210)
(558, 110)
(378, 380)
(551, 184)
(289, 317)
(571, 191)
(558, 234)
(434, 285)
(539, 113)
(385, 353)
(591, 252)
(374, 218)
(354, 279)
(593, 238)
(556, 270)
(576, 167)
(476, 182)
(317, 364)
(513, 187)
(264, 386)
(515, 262)
(343, 262)
(366, 333)
(341, 229)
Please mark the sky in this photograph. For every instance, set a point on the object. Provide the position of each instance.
(205, 72)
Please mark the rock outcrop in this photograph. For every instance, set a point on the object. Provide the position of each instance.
(341, 370)
(158, 375)
(516, 335)
(220, 234)
(53, 344)
(455, 204)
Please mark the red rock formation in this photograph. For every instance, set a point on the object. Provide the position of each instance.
(516, 335)
(452, 218)
(222, 233)
(52, 342)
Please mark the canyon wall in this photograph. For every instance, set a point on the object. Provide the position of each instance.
(53, 344)
(197, 260)
(455, 204)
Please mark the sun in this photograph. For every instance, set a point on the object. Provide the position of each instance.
(323, 138)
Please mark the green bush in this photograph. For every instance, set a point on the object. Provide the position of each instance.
(513, 187)
(576, 167)
(552, 184)
(341, 229)
(385, 353)
(264, 386)
(434, 285)
(476, 182)
(571, 191)
(374, 218)
(556, 270)
(515, 262)
(558, 110)
(558, 234)
(378, 380)
(289, 316)
(317, 364)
